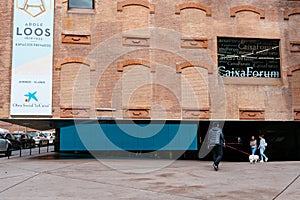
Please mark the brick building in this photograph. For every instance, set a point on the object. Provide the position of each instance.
(179, 60)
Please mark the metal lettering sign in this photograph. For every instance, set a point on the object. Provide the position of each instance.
(248, 57)
(32, 58)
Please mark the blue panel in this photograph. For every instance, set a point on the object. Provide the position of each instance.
(129, 137)
(69, 139)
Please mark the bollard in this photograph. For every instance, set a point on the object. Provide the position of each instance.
(40, 148)
(30, 150)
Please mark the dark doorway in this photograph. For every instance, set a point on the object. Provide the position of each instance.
(283, 139)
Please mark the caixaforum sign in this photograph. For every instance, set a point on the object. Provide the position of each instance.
(249, 57)
(32, 58)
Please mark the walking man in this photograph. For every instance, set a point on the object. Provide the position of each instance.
(216, 141)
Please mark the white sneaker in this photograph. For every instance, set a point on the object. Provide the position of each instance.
(267, 159)
(261, 161)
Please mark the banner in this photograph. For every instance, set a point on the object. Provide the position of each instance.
(32, 58)
(248, 57)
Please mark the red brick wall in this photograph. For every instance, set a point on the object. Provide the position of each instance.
(149, 40)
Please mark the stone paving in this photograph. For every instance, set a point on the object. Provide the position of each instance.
(65, 176)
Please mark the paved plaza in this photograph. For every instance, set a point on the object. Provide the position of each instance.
(51, 175)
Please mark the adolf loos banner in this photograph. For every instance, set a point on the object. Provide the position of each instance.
(31, 86)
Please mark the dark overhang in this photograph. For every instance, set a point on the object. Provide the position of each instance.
(54, 123)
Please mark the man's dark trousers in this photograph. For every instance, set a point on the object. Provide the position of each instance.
(217, 154)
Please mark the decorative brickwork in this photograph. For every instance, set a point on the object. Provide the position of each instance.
(252, 114)
(74, 89)
(296, 90)
(190, 113)
(136, 41)
(194, 5)
(146, 4)
(135, 113)
(288, 12)
(293, 69)
(180, 66)
(74, 112)
(195, 98)
(237, 9)
(295, 46)
(75, 39)
(194, 43)
(297, 114)
(128, 62)
(59, 63)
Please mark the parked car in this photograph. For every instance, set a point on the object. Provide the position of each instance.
(50, 136)
(40, 138)
(16, 144)
(5, 146)
(25, 140)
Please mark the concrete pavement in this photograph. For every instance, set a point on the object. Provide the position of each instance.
(65, 176)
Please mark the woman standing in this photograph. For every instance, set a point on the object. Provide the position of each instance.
(253, 145)
(262, 148)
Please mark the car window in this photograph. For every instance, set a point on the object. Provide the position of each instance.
(17, 135)
(33, 134)
(49, 134)
(1, 137)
